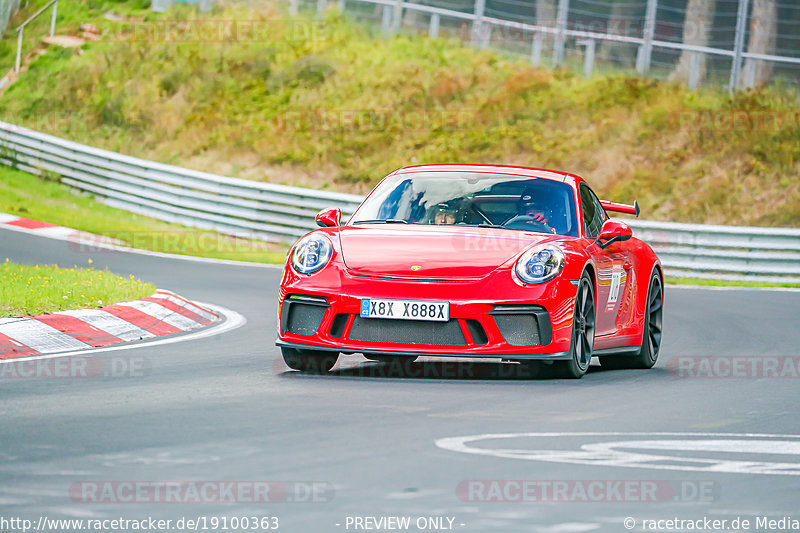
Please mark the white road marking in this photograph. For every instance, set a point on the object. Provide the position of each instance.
(607, 453)
(110, 324)
(233, 320)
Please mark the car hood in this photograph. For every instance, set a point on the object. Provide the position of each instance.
(431, 252)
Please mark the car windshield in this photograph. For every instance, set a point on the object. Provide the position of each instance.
(472, 199)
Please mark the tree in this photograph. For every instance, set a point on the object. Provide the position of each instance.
(763, 33)
(696, 25)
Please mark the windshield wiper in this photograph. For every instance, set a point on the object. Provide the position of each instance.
(382, 221)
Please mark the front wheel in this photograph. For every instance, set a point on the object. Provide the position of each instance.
(311, 361)
(583, 322)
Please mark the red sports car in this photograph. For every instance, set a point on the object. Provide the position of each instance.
(504, 262)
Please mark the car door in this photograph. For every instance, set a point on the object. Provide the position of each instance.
(610, 262)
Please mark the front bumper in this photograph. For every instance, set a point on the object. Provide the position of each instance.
(491, 317)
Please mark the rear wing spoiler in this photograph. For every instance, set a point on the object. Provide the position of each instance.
(621, 208)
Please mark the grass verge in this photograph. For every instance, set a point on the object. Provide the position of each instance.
(697, 282)
(33, 290)
(29, 196)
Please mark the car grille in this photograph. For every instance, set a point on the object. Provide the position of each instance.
(407, 331)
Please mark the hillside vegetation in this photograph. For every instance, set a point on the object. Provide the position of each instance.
(330, 104)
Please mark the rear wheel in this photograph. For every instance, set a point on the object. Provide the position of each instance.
(311, 361)
(651, 336)
(583, 322)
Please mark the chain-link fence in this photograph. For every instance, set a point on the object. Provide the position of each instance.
(733, 43)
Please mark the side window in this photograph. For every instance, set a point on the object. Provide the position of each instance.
(593, 213)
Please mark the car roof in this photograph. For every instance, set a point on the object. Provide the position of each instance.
(493, 169)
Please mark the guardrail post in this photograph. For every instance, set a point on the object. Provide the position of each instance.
(588, 59)
(536, 49)
(477, 24)
(738, 44)
(486, 35)
(19, 49)
(397, 16)
(386, 21)
(433, 29)
(294, 7)
(322, 5)
(561, 37)
(646, 49)
(342, 5)
(53, 20)
(694, 70)
(749, 75)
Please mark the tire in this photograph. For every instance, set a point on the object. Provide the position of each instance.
(310, 361)
(651, 334)
(389, 359)
(583, 324)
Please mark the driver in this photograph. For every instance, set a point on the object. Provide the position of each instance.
(528, 207)
(445, 214)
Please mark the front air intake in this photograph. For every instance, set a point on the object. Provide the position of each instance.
(302, 314)
(523, 325)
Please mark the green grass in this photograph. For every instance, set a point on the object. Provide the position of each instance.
(725, 283)
(34, 290)
(29, 196)
(331, 104)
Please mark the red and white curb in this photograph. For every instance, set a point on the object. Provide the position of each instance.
(164, 313)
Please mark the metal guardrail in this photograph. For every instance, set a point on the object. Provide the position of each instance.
(281, 213)
(173, 194)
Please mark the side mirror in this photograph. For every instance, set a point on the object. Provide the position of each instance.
(329, 218)
(613, 231)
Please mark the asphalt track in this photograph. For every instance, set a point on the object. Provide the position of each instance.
(226, 408)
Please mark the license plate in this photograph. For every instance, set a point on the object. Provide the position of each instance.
(405, 309)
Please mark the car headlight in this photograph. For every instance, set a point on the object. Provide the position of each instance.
(539, 264)
(311, 253)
